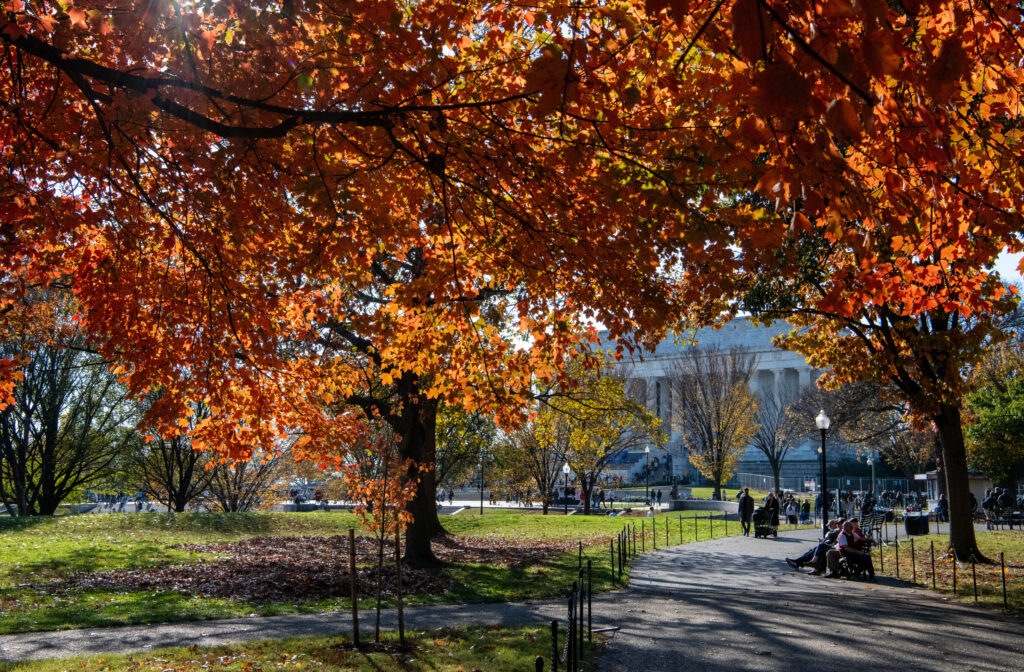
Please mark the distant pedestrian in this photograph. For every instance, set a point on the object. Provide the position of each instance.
(746, 510)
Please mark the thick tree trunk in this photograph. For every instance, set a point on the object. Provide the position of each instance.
(419, 443)
(954, 462)
(586, 495)
(775, 475)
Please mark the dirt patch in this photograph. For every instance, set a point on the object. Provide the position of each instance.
(274, 569)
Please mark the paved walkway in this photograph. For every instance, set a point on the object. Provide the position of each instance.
(727, 604)
(734, 604)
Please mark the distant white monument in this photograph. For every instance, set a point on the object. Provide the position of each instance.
(650, 381)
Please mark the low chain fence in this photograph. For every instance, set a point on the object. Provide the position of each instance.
(992, 581)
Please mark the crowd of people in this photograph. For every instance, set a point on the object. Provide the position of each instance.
(772, 508)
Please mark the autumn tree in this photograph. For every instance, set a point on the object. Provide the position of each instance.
(877, 238)
(378, 479)
(778, 430)
(715, 409)
(533, 454)
(229, 186)
(218, 180)
(594, 423)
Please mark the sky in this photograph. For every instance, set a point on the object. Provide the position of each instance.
(1007, 267)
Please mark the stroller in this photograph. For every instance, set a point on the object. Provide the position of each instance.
(763, 524)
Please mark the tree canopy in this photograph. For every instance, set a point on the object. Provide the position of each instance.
(221, 183)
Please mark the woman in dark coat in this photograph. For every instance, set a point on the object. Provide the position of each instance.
(771, 503)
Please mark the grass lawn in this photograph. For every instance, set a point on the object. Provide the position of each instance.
(442, 650)
(34, 553)
(917, 558)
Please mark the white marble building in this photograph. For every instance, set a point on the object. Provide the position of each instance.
(650, 380)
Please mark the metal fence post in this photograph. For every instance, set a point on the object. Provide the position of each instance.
(538, 664)
(634, 539)
(974, 576)
(881, 558)
(695, 527)
(622, 554)
(913, 559)
(579, 558)
(611, 543)
(897, 558)
(554, 646)
(725, 515)
(955, 563)
(643, 540)
(579, 606)
(590, 607)
(680, 528)
(1002, 574)
(711, 525)
(570, 634)
(933, 564)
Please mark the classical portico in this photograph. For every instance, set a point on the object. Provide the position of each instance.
(649, 380)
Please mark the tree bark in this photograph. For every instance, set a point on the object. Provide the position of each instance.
(417, 429)
(775, 474)
(962, 541)
(587, 490)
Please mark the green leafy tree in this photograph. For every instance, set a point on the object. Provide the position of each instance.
(463, 440)
(995, 436)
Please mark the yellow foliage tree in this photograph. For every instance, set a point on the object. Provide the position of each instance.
(715, 409)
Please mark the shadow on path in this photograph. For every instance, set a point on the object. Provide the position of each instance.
(734, 604)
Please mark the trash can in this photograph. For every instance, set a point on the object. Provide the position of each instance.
(916, 523)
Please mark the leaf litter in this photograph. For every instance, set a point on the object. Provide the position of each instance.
(272, 569)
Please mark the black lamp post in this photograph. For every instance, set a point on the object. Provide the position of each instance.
(647, 464)
(565, 490)
(481, 485)
(823, 422)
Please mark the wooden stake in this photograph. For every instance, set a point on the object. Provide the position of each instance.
(398, 586)
(352, 584)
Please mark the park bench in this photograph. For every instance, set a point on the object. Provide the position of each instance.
(871, 525)
(1000, 516)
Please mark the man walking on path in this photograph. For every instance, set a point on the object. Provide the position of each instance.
(746, 511)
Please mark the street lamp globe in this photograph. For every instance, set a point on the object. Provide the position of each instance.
(822, 421)
(565, 489)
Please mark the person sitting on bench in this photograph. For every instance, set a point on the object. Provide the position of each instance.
(852, 545)
(815, 556)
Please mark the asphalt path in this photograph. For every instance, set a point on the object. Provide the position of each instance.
(734, 604)
(726, 604)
